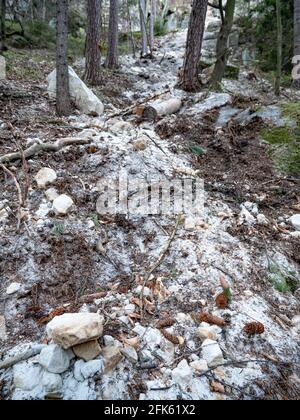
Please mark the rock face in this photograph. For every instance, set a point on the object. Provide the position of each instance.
(295, 220)
(45, 176)
(62, 204)
(212, 353)
(54, 359)
(88, 351)
(85, 100)
(69, 330)
(2, 68)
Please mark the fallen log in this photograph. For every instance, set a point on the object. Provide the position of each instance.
(160, 109)
(43, 147)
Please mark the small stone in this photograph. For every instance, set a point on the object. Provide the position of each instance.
(129, 309)
(90, 369)
(182, 374)
(3, 332)
(112, 356)
(200, 365)
(262, 220)
(212, 353)
(2, 68)
(217, 387)
(88, 351)
(51, 194)
(3, 215)
(206, 333)
(139, 145)
(77, 370)
(52, 382)
(69, 330)
(13, 288)
(54, 359)
(295, 221)
(130, 354)
(45, 176)
(62, 204)
(139, 330)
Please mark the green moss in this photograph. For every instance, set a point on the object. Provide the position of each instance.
(283, 280)
(232, 72)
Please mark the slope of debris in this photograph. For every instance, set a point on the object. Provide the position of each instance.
(155, 280)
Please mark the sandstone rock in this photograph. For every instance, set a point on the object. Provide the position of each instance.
(90, 369)
(13, 288)
(52, 382)
(206, 333)
(182, 374)
(27, 376)
(85, 100)
(54, 359)
(212, 353)
(69, 330)
(295, 221)
(45, 176)
(62, 204)
(200, 366)
(2, 68)
(130, 354)
(112, 356)
(88, 351)
(3, 332)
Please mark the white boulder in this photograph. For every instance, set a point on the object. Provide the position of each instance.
(295, 221)
(52, 382)
(54, 359)
(62, 204)
(69, 330)
(85, 100)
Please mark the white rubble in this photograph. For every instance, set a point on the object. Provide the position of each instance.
(199, 365)
(130, 354)
(295, 221)
(182, 374)
(52, 382)
(92, 368)
(85, 100)
(3, 331)
(2, 67)
(27, 376)
(63, 204)
(51, 194)
(54, 359)
(45, 176)
(212, 353)
(69, 330)
(13, 288)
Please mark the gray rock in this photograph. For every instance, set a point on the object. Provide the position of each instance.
(2, 68)
(182, 374)
(90, 369)
(215, 100)
(27, 376)
(13, 288)
(54, 359)
(295, 221)
(212, 353)
(3, 332)
(45, 176)
(52, 382)
(130, 354)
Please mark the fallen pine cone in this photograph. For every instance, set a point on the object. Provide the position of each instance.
(254, 328)
(222, 301)
(211, 319)
(52, 315)
(165, 323)
(177, 341)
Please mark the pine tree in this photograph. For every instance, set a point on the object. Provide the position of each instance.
(113, 33)
(93, 36)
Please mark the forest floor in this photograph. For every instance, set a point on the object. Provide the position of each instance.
(244, 234)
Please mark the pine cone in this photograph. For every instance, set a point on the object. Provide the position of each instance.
(171, 337)
(254, 328)
(165, 323)
(222, 301)
(212, 320)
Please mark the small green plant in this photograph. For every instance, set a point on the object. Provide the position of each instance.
(197, 150)
(58, 229)
(94, 218)
(160, 27)
(283, 280)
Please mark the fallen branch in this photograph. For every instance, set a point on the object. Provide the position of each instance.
(43, 147)
(21, 357)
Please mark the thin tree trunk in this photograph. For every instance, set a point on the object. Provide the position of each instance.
(297, 36)
(279, 48)
(113, 35)
(63, 102)
(130, 29)
(2, 25)
(222, 44)
(143, 8)
(152, 24)
(189, 80)
(92, 48)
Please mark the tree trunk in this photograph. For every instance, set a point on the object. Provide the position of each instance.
(63, 102)
(297, 37)
(222, 44)
(93, 36)
(113, 34)
(152, 24)
(130, 29)
(279, 48)
(2, 25)
(143, 8)
(189, 80)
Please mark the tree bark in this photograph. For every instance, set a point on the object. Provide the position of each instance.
(113, 35)
(93, 36)
(279, 48)
(2, 26)
(297, 35)
(63, 102)
(152, 24)
(189, 79)
(222, 44)
(143, 8)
